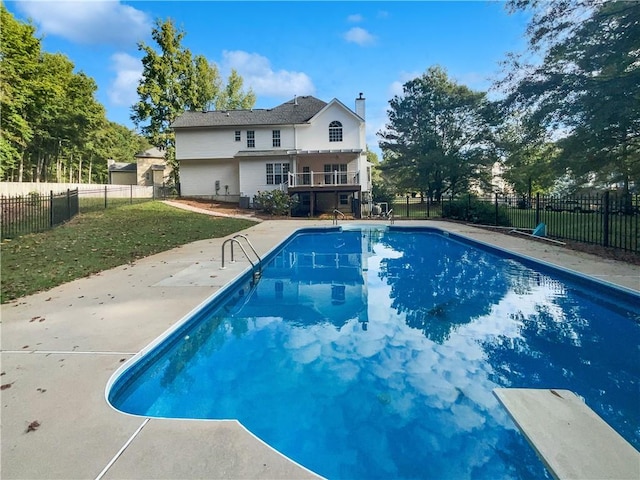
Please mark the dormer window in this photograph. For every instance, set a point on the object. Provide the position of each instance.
(335, 131)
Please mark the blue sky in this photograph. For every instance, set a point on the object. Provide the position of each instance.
(327, 49)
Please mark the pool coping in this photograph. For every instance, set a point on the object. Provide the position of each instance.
(84, 330)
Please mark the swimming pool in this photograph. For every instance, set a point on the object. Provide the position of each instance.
(373, 352)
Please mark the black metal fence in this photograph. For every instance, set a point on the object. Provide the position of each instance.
(608, 219)
(36, 212)
(103, 197)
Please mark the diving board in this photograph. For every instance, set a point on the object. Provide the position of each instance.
(571, 439)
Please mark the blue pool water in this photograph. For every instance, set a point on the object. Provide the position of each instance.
(372, 353)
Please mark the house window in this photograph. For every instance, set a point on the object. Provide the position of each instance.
(277, 173)
(306, 176)
(331, 178)
(251, 139)
(276, 138)
(344, 199)
(238, 138)
(335, 131)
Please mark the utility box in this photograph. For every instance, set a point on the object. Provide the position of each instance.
(244, 202)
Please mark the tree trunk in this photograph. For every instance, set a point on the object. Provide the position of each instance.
(21, 169)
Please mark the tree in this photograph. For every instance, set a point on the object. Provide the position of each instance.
(526, 157)
(174, 81)
(587, 87)
(52, 125)
(207, 85)
(20, 54)
(161, 89)
(438, 139)
(233, 97)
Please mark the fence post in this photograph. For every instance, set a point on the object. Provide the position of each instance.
(496, 202)
(605, 219)
(68, 204)
(51, 208)
(537, 209)
(105, 197)
(130, 194)
(407, 206)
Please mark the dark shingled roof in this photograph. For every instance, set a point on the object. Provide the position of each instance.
(296, 111)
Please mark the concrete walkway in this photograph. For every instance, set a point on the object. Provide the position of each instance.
(60, 347)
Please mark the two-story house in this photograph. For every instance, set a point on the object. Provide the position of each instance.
(313, 150)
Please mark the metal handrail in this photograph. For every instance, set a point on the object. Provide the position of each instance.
(390, 216)
(241, 235)
(335, 215)
(256, 273)
(235, 240)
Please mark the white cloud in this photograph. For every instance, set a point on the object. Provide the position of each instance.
(474, 80)
(396, 87)
(355, 18)
(89, 22)
(257, 73)
(360, 36)
(123, 90)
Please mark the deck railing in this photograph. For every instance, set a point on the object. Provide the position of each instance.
(320, 179)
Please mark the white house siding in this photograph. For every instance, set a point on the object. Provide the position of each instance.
(264, 138)
(220, 143)
(198, 178)
(316, 136)
(253, 175)
(207, 143)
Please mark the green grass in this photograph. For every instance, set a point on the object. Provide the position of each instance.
(100, 240)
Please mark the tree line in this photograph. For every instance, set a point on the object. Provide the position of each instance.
(566, 122)
(53, 128)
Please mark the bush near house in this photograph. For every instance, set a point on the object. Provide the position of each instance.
(274, 202)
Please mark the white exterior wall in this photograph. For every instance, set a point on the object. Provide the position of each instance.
(253, 175)
(316, 135)
(220, 143)
(198, 177)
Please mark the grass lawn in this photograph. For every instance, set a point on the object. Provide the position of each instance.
(100, 240)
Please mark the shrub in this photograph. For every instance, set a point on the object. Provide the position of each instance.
(475, 211)
(274, 202)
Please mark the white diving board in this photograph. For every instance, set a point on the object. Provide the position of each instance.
(571, 439)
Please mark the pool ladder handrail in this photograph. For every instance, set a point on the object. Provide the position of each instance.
(256, 273)
(335, 215)
(390, 216)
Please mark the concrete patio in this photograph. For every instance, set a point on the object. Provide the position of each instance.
(60, 347)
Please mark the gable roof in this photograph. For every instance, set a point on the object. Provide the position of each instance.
(296, 111)
(153, 152)
(335, 101)
(122, 167)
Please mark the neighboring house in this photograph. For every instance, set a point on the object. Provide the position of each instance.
(121, 173)
(149, 169)
(313, 150)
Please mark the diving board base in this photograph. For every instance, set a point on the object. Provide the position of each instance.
(571, 439)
